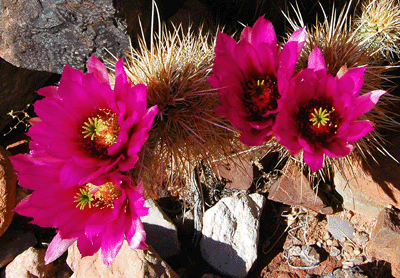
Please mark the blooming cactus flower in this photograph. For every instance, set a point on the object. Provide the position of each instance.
(251, 76)
(319, 112)
(89, 125)
(98, 214)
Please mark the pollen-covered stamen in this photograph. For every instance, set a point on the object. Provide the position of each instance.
(100, 132)
(98, 196)
(83, 198)
(319, 117)
(318, 120)
(260, 96)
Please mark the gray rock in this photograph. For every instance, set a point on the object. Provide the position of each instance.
(340, 228)
(231, 233)
(13, 243)
(161, 232)
(45, 35)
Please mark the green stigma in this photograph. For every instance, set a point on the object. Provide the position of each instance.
(319, 117)
(92, 127)
(83, 198)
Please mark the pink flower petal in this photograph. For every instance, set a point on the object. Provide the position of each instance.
(351, 81)
(88, 247)
(136, 236)
(290, 52)
(338, 149)
(359, 129)
(314, 159)
(248, 60)
(262, 32)
(57, 247)
(98, 69)
(365, 103)
(316, 60)
(112, 240)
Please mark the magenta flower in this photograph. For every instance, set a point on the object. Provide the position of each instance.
(89, 125)
(251, 76)
(98, 214)
(319, 112)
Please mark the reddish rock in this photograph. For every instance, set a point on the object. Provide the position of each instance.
(8, 182)
(29, 264)
(128, 263)
(238, 172)
(279, 268)
(293, 188)
(385, 239)
(364, 193)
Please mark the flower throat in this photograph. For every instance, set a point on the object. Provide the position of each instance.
(100, 132)
(261, 96)
(101, 196)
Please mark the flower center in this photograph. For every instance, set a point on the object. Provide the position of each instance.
(100, 196)
(100, 132)
(261, 96)
(317, 121)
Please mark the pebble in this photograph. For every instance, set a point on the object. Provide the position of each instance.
(334, 251)
(357, 251)
(358, 260)
(347, 264)
(329, 242)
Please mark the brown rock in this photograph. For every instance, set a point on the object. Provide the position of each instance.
(362, 193)
(8, 181)
(385, 239)
(128, 263)
(29, 264)
(46, 35)
(238, 173)
(293, 188)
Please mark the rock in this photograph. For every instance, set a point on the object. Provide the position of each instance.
(366, 194)
(334, 251)
(45, 35)
(385, 239)
(29, 264)
(13, 243)
(343, 273)
(231, 233)
(237, 172)
(157, 223)
(8, 181)
(127, 264)
(294, 189)
(340, 228)
(18, 89)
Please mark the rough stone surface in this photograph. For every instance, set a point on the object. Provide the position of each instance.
(13, 243)
(29, 264)
(161, 232)
(127, 264)
(342, 273)
(18, 89)
(45, 35)
(238, 173)
(8, 181)
(385, 239)
(360, 192)
(231, 233)
(293, 188)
